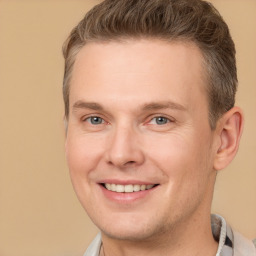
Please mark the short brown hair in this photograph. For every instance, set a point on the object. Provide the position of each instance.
(196, 21)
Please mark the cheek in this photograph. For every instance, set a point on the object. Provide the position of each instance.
(184, 160)
(169, 150)
(186, 166)
(83, 154)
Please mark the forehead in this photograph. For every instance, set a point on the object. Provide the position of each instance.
(138, 69)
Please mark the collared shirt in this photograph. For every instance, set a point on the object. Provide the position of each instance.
(221, 231)
(223, 234)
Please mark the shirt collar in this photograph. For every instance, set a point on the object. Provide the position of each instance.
(223, 234)
(221, 231)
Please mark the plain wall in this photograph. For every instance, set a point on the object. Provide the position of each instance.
(39, 212)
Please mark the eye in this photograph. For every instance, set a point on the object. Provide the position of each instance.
(159, 120)
(95, 120)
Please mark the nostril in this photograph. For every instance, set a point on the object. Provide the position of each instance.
(130, 162)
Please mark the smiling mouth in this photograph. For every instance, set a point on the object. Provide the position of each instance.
(130, 188)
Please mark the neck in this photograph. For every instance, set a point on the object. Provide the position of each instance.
(193, 238)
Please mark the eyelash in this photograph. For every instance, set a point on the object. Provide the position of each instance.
(89, 119)
(166, 120)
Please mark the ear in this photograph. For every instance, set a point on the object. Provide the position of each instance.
(229, 129)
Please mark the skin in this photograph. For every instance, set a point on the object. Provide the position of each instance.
(127, 86)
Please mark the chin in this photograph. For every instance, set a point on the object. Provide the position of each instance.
(128, 235)
(131, 230)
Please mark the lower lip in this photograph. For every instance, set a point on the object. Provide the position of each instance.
(126, 197)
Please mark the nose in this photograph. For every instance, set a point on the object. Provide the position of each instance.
(125, 149)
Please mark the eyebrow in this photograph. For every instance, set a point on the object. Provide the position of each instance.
(87, 105)
(146, 107)
(163, 105)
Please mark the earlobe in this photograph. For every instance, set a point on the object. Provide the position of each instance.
(230, 128)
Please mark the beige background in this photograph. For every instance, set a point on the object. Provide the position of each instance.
(39, 213)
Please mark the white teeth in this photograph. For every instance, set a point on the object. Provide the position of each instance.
(127, 188)
(136, 188)
(143, 187)
(113, 187)
(108, 186)
(119, 188)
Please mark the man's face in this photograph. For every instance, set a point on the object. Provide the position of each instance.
(139, 119)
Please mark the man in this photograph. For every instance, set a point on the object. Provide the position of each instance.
(149, 91)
